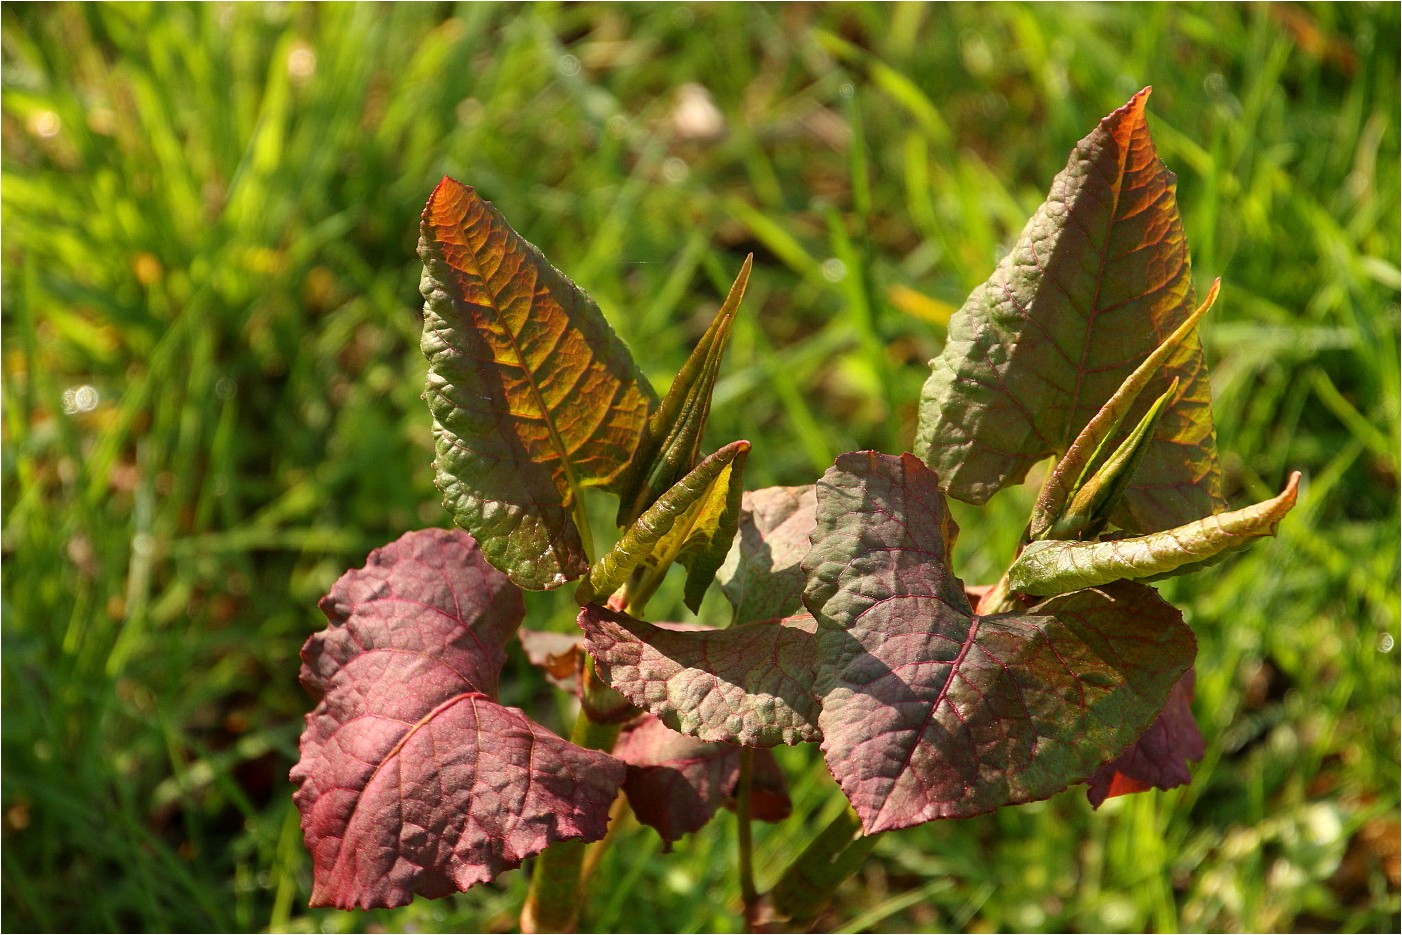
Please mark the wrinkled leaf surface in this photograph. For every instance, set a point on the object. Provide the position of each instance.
(750, 684)
(532, 394)
(1053, 566)
(413, 780)
(1098, 279)
(929, 711)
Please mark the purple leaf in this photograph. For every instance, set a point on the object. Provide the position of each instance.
(750, 684)
(675, 783)
(413, 780)
(929, 711)
(1159, 758)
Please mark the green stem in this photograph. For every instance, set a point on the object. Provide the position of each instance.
(554, 897)
(749, 896)
(830, 858)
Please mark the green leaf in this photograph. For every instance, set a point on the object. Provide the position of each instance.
(671, 442)
(1056, 567)
(1099, 278)
(1068, 479)
(761, 577)
(532, 394)
(1096, 496)
(693, 522)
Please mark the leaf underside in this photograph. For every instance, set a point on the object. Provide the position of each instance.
(413, 780)
(1159, 758)
(761, 577)
(750, 684)
(929, 711)
(1099, 278)
(675, 783)
(533, 396)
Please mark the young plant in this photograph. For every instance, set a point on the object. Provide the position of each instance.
(850, 627)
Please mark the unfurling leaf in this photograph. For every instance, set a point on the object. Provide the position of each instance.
(671, 442)
(532, 394)
(413, 780)
(761, 577)
(675, 783)
(1082, 463)
(1095, 497)
(1055, 567)
(1098, 279)
(929, 711)
(692, 523)
(750, 684)
(1159, 758)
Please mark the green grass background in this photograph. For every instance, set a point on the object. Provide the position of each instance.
(211, 409)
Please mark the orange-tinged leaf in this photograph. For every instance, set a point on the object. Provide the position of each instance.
(1098, 280)
(532, 394)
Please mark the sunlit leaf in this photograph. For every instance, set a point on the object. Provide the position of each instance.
(750, 684)
(929, 711)
(1055, 515)
(413, 779)
(1098, 279)
(1159, 758)
(532, 394)
(761, 577)
(1053, 566)
(671, 442)
(692, 523)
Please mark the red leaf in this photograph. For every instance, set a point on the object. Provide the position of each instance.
(1159, 758)
(930, 711)
(412, 779)
(675, 783)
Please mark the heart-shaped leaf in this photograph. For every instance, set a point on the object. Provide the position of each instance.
(675, 783)
(692, 523)
(1159, 758)
(1053, 566)
(671, 442)
(761, 577)
(750, 684)
(929, 711)
(413, 780)
(532, 394)
(1098, 279)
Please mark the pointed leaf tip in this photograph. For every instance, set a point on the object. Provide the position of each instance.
(693, 523)
(671, 440)
(533, 396)
(1054, 566)
(1097, 280)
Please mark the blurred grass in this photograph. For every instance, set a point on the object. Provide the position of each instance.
(211, 408)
